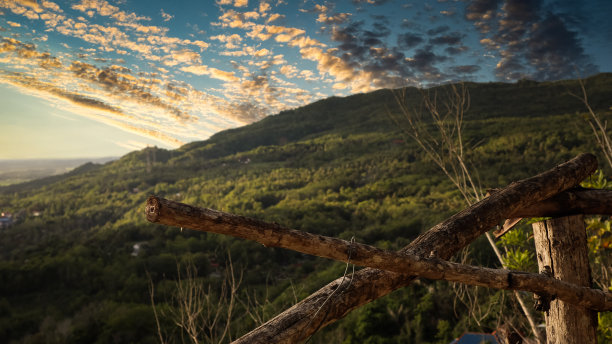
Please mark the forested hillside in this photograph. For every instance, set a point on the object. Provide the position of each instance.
(78, 263)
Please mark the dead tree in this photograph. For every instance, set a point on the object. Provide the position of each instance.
(441, 242)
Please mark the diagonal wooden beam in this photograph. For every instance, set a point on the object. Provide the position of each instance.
(443, 240)
(177, 214)
(571, 202)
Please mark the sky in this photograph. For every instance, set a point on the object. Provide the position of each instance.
(93, 78)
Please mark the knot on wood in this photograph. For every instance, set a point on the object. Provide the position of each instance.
(152, 209)
(542, 300)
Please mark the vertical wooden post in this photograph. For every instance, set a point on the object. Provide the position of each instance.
(562, 250)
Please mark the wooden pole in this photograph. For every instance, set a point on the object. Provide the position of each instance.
(562, 252)
(177, 214)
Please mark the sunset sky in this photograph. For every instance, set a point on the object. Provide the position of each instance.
(92, 78)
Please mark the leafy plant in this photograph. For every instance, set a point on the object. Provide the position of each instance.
(597, 181)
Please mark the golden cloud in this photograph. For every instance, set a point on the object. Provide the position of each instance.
(212, 72)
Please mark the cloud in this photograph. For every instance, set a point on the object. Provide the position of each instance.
(26, 8)
(212, 72)
(454, 50)
(13, 24)
(264, 7)
(424, 62)
(530, 40)
(128, 34)
(307, 75)
(182, 56)
(28, 53)
(284, 34)
(103, 8)
(88, 97)
(408, 40)
(409, 24)
(131, 145)
(262, 52)
(248, 112)
(481, 10)
(556, 52)
(326, 17)
(370, 2)
(165, 16)
(289, 71)
(70, 96)
(453, 38)
(274, 17)
(30, 3)
(122, 85)
(229, 40)
(305, 42)
(466, 69)
(150, 104)
(75, 98)
(236, 3)
(241, 3)
(364, 59)
(234, 19)
(51, 5)
(438, 30)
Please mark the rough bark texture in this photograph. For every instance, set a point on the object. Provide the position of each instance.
(571, 202)
(561, 246)
(444, 240)
(177, 214)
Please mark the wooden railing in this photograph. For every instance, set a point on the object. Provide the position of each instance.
(552, 193)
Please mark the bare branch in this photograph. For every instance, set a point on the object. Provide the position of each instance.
(598, 127)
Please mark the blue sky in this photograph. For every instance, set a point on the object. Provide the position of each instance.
(91, 78)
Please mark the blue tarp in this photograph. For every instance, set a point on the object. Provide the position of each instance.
(476, 338)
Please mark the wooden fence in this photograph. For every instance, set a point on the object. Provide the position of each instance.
(563, 286)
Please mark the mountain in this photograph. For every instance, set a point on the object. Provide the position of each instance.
(78, 261)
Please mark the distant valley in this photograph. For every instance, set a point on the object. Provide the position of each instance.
(19, 171)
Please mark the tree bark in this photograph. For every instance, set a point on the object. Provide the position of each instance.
(571, 202)
(443, 240)
(177, 214)
(562, 250)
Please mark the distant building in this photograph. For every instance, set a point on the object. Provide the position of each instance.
(138, 247)
(6, 220)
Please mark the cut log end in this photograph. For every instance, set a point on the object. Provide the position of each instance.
(152, 209)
